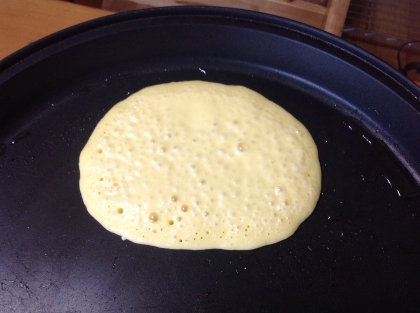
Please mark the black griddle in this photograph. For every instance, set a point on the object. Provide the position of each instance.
(358, 252)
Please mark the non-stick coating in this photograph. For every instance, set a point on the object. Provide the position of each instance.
(358, 252)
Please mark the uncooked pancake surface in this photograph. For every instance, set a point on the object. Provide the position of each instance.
(198, 165)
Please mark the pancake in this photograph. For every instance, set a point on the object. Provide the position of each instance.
(198, 165)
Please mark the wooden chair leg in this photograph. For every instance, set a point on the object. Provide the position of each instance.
(336, 16)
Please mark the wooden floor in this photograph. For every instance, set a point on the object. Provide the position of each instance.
(396, 18)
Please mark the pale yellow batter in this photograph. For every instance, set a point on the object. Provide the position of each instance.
(198, 165)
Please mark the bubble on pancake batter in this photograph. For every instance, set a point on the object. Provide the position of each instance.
(153, 217)
(242, 147)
